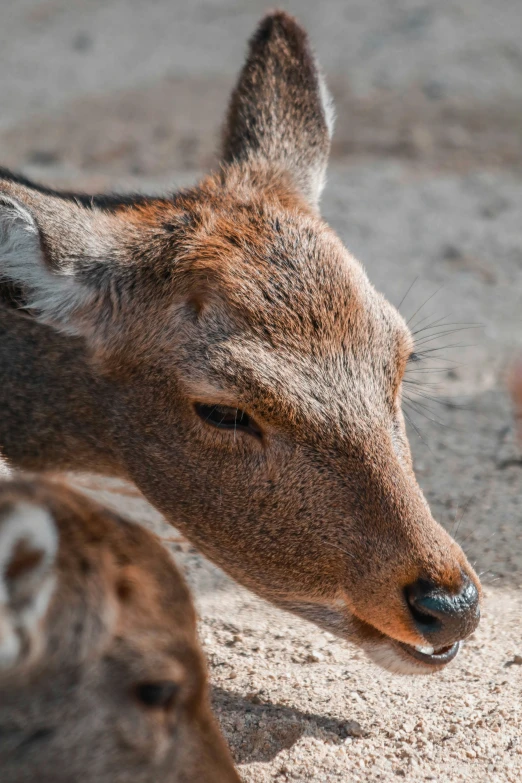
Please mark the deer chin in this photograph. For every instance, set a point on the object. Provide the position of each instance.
(388, 653)
(400, 658)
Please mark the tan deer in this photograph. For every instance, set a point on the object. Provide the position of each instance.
(222, 349)
(101, 675)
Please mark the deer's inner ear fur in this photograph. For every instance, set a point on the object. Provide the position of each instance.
(48, 251)
(28, 550)
(280, 113)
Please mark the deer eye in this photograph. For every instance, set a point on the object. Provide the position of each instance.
(226, 418)
(161, 695)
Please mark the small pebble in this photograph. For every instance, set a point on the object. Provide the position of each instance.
(314, 656)
(354, 729)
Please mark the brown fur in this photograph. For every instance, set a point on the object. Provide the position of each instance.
(119, 616)
(233, 293)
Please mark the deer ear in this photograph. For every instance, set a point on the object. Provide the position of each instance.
(60, 254)
(28, 549)
(52, 291)
(280, 111)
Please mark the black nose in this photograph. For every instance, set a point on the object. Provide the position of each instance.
(440, 616)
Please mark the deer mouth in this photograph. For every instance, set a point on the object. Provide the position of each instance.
(429, 656)
(385, 651)
(401, 658)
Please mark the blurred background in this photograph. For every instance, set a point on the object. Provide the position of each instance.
(425, 188)
(106, 90)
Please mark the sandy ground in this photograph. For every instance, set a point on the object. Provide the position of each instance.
(425, 185)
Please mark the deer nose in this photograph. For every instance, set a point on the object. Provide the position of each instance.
(441, 617)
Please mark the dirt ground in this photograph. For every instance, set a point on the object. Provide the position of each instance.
(425, 187)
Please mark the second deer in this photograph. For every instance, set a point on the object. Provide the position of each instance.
(101, 675)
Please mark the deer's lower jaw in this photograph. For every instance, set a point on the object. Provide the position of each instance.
(385, 651)
(401, 658)
(429, 657)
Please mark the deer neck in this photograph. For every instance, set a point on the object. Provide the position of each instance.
(55, 413)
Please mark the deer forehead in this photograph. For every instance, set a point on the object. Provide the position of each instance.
(284, 280)
(357, 347)
(155, 653)
(95, 615)
(298, 388)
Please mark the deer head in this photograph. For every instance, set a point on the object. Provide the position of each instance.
(101, 675)
(252, 373)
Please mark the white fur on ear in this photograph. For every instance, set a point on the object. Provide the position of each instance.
(28, 549)
(327, 105)
(327, 102)
(51, 294)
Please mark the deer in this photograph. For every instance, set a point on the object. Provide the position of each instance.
(101, 675)
(222, 350)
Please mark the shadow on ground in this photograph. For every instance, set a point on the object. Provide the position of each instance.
(267, 728)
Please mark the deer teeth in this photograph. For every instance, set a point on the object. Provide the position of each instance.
(425, 650)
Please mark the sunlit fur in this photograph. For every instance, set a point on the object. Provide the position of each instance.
(235, 293)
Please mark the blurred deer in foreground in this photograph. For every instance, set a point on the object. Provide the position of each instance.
(101, 675)
(221, 348)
